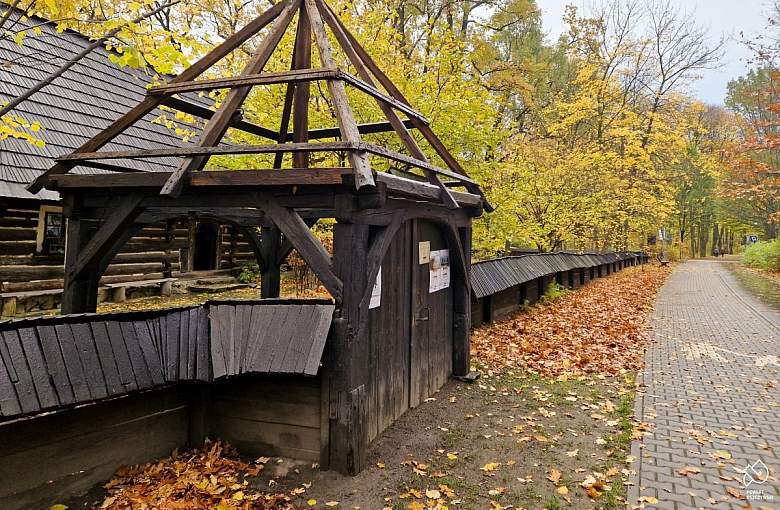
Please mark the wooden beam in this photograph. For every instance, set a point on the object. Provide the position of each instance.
(286, 248)
(218, 125)
(344, 117)
(121, 217)
(109, 167)
(270, 280)
(376, 254)
(309, 247)
(211, 151)
(269, 177)
(150, 103)
(284, 123)
(204, 113)
(395, 121)
(301, 111)
(424, 128)
(363, 129)
(271, 78)
(403, 158)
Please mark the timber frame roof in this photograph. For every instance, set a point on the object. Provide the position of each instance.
(125, 167)
(74, 107)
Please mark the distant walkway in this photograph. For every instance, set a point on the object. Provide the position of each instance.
(711, 396)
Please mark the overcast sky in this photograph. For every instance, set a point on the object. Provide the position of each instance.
(722, 18)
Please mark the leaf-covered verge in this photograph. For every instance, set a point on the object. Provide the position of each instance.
(598, 329)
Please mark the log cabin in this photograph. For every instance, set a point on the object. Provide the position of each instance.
(70, 110)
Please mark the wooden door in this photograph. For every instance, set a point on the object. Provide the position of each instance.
(431, 319)
(388, 396)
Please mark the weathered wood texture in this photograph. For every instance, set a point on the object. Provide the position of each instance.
(50, 363)
(49, 458)
(264, 415)
(152, 251)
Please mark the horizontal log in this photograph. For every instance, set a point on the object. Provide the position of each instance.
(141, 268)
(23, 213)
(30, 259)
(147, 256)
(136, 245)
(293, 76)
(17, 234)
(205, 113)
(363, 129)
(29, 273)
(269, 177)
(210, 151)
(57, 283)
(407, 188)
(13, 221)
(17, 247)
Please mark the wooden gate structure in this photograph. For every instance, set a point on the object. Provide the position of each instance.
(392, 343)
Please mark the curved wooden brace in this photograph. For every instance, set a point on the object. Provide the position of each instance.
(376, 253)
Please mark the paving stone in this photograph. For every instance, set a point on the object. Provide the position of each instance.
(713, 365)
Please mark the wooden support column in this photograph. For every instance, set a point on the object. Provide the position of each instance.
(270, 280)
(461, 302)
(79, 293)
(348, 368)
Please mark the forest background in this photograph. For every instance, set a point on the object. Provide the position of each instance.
(588, 142)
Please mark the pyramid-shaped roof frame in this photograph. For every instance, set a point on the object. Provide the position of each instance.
(314, 16)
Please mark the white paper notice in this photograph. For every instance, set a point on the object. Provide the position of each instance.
(440, 270)
(376, 292)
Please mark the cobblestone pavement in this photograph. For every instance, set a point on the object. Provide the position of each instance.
(710, 396)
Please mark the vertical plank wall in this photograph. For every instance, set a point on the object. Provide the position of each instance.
(411, 357)
(389, 335)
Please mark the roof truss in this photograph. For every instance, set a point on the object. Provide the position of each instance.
(313, 18)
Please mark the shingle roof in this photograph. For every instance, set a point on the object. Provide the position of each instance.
(495, 275)
(52, 362)
(74, 108)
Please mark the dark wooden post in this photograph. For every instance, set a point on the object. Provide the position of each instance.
(270, 280)
(348, 372)
(461, 300)
(79, 295)
(170, 237)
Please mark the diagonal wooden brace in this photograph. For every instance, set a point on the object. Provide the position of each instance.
(309, 247)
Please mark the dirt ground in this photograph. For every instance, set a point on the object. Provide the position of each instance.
(493, 444)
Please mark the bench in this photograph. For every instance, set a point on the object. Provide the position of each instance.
(662, 261)
(118, 290)
(9, 300)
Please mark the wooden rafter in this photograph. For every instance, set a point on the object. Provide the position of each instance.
(395, 121)
(424, 128)
(150, 103)
(302, 60)
(344, 117)
(218, 125)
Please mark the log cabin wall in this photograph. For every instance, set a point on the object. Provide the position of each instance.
(29, 264)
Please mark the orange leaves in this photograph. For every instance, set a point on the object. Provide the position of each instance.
(209, 477)
(596, 329)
